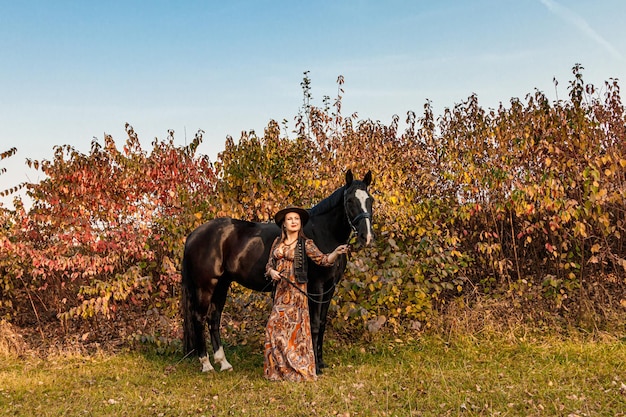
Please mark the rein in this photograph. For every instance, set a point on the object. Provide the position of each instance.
(306, 294)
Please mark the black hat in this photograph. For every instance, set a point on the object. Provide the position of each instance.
(280, 216)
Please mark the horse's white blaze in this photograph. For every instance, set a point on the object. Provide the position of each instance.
(220, 358)
(369, 237)
(206, 364)
(362, 196)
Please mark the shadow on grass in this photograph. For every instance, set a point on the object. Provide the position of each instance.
(244, 358)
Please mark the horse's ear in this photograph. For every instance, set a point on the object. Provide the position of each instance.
(349, 178)
(368, 178)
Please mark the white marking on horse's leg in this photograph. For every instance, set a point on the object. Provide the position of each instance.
(206, 364)
(362, 196)
(220, 358)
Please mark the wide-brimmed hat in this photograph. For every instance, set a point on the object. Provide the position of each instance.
(280, 216)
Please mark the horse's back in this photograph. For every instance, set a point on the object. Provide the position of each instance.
(230, 248)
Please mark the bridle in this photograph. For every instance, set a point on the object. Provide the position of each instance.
(354, 221)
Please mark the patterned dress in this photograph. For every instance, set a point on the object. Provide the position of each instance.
(288, 343)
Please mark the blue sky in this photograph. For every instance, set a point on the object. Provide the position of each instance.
(74, 70)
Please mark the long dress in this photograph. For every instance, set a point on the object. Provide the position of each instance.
(288, 343)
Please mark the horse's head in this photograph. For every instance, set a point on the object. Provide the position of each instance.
(358, 207)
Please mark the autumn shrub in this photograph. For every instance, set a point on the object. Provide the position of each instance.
(9, 260)
(543, 185)
(105, 231)
(523, 203)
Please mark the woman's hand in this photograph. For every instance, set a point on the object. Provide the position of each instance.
(339, 250)
(275, 275)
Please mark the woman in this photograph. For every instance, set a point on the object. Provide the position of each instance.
(288, 344)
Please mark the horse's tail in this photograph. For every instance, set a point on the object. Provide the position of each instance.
(189, 294)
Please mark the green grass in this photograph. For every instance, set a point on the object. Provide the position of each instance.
(427, 377)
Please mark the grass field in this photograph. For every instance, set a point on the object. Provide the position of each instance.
(468, 376)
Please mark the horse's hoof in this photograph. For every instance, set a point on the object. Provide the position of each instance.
(228, 368)
(206, 365)
(206, 368)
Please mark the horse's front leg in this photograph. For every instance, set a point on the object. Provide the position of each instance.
(219, 299)
(315, 310)
(324, 306)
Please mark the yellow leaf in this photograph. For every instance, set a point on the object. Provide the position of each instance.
(198, 215)
(565, 216)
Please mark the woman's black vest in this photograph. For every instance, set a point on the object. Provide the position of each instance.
(300, 264)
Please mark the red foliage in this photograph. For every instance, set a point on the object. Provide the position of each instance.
(93, 238)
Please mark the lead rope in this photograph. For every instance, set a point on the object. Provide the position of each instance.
(307, 295)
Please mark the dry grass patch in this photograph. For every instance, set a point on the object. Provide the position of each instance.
(11, 341)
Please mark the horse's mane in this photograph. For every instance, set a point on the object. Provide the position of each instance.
(328, 203)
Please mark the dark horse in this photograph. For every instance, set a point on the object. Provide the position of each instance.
(224, 250)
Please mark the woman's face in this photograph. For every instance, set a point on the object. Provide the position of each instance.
(292, 222)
